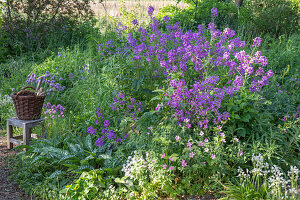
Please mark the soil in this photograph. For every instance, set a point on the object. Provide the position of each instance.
(9, 190)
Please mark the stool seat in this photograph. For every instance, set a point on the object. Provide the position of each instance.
(27, 126)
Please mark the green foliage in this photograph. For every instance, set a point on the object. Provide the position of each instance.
(193, 15)
(57, 162)
(6, 110)
(253, 18)
(275, 17)
(87, 186)
(38, 25)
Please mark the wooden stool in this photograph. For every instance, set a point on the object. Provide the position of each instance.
(27, 126)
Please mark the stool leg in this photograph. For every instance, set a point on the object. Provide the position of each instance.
(44, 131)
(9, 135)
(26, 134)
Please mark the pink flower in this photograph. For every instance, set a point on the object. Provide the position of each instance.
(183, 163)
(189, 144)
(171, 168)
(235, 139)
(206, 149)
(200, 144)
(213, 156)
(157, 107)
(241, 153)
(48, 124)
(192, 155)
(162, 156)
(201, 133)
(206, 140)
(148, 133)
(223, 140)
(164, 166)
(171, 159)
(177, 138)
(154, 161)
(222, 134)
(204, 163)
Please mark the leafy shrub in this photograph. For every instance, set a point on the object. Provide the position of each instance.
(254, 17)
(275, 17)
(198, 12)
(33, 25)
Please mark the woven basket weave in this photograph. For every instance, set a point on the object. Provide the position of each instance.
(27, 104)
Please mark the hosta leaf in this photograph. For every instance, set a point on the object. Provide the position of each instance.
(88, 143)
(56, 173)
(39, 158)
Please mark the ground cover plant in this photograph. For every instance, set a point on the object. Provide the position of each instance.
(154, 109)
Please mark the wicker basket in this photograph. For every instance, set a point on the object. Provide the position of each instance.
(27, 104)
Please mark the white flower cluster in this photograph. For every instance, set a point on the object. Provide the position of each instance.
(273, 177)
(134, 166)
(260, 167)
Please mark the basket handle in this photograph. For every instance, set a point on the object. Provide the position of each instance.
(23, 90)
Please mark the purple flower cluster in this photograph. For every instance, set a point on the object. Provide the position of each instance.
(49, 80)
(54, 111)
(150, 10)
(209, 65)
(198, 104)
(214, 12)
(130, 107)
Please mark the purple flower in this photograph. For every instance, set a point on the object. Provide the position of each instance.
(71, 76)
(171, 168)
(183, 163)
(171, 159)
(135, 22)
(236, 139)
(189, 144)
(111, 134)
(106, 123)
(200, 144)
(211, 26)
(121, 95)
(157, 107)
(99, 142)
(91, 130)
(206, 140)
(213, 156)
(162, 156)
(118, 140)
(191, 155)
(256, 42)
(214, 12)
(240, 152)
(164, 166)
(150, 10)
(166, 18)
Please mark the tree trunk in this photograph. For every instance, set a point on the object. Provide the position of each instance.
(238, 3)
